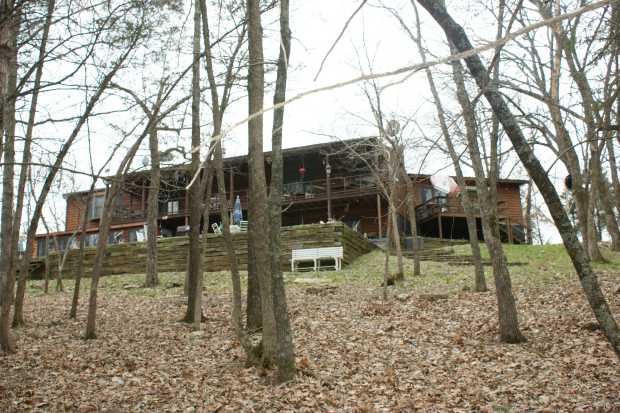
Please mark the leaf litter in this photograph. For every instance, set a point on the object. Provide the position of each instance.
(355, 353)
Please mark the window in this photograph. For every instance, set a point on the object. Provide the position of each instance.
(173, 207)
(95, 207)
(91, 240)
(427, 194)
(115, 237)
(62, 243)
(41, 247)
(136, 235)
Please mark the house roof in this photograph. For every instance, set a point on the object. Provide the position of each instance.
(519, 182)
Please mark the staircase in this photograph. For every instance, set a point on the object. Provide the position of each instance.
(438, 250)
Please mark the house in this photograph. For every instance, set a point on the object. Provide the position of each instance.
(322, 181)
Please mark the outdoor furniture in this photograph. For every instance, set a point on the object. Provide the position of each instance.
(216, 228)
(243, 226)
(316, 255)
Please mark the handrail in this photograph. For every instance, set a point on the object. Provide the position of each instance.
(292, 192)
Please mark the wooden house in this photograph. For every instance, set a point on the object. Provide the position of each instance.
(337, 180)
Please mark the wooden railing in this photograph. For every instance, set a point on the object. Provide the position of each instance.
(439, 204)
(449, 205)
(293, 192)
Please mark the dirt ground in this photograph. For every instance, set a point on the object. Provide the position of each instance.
(354, 353)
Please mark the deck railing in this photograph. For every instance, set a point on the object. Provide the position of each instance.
(292, 192)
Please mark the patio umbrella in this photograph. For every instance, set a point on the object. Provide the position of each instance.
(237, 215)
(444, 184)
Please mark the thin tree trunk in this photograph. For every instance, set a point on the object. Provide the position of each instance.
(589, 281)
(8, 79)
(253, 353)
(258, 187)
(507, 310)
(27, 153)
(479, 279)
(194, 302)
(412, 218)
(285, 355)
(104, 230)
(80, 269)
(528, 214)
(152, 212)
(400, 273)
(608, 210)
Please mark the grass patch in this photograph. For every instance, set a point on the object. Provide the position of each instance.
(543, 264)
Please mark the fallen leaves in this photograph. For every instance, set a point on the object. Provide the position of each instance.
(354, 353)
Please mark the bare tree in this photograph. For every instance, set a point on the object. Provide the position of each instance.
(466, 197)
(457, 36)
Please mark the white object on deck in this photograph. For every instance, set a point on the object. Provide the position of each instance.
(316, 255)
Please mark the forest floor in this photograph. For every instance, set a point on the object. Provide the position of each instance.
(433, 346)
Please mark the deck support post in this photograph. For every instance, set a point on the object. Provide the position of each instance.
(440, 225)
(379, 215)
(232, 192)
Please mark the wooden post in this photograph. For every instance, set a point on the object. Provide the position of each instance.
(232, 192)
(186, 207)
(379, 215)
(144, 196)
(440, 225)
(509, 230)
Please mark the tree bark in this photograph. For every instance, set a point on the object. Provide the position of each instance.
(479, 279)
(285, 354)
(258, 211)
(587, 277)
(8, 67)
(410, 185)
(528, 214)
(507, 310)
(194, 302)
(152, 212)
(80, 269)
(104, 230)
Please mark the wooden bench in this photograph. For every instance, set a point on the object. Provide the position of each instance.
(316, 255)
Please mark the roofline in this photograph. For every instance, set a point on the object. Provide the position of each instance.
(501, 181)
(240, 158)
(85, 192)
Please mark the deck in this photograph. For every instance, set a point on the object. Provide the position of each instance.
(292, 193)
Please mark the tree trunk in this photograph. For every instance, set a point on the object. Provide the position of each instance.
(80, 269)
(415, 245)
(507, 310)
(152, 212)
(608, 210)
(8, 77)
(104, 230)
(27, 153)
(589, 281)
(194, 302)
(285, 355)
(254, 314)
(258, 207)
(479, 279)
(528, 213)
(400, 273)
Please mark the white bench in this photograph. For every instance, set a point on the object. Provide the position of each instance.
(316, 255)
